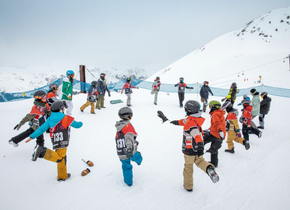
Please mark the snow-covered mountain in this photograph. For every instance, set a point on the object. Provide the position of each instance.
(258, 49)
(18, 79)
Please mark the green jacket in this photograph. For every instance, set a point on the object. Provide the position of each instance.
(67, 89)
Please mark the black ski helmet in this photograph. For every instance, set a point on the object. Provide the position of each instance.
(205, 82)
(58, 106)
(263, 94)
(181, 78)
(227, 106)
(125, 113)
(191, 107)
(234, 85)
(40, 94)
(94, 83)
(53, 86)
(213, 105)
(158, 78)
(128, 79)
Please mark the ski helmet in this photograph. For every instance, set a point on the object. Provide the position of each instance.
(227, 106)
(234, 85)
(158, 78)
(191, 107)
(70, 73)
(102, 75)
(58, 106)
(94, 83)
(128, 79)
(181, 78)
(125, 113)
(246, 100)
(214, 105)
(40, 95)
(205, 82)
(53, 86)
(263, 94)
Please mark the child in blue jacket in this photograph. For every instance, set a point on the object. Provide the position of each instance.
(59, 125)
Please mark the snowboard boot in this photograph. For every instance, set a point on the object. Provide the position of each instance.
(246, 144)
(230, 150)
(212, 174)
(189, 190)
(13, 143)
(37, 152)
(68, 176)
(260, 127)
(260, 134)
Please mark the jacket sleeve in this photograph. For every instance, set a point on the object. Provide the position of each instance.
(27, 118)
(129, 140)
(230, 94)
(76, 124)
(40, 130)
(90, 90)
(209, 90)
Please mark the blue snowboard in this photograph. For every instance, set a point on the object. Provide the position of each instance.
(116, 101)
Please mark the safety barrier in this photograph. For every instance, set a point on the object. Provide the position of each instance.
(170, 88)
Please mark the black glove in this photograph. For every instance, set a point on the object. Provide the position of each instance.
(109, 93)
(17, 127)
(191, 88)
(174, 122)
(129, 153)
(162, 116)
(200, 153)
(200, 148)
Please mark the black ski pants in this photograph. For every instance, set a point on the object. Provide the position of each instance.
(216, 144)
(27, 133)
(181, 99)
(246, 130)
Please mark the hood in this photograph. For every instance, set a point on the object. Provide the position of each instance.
(248, 107)
(197, 118)
(121, 124)
(220, 111)
(54, 118)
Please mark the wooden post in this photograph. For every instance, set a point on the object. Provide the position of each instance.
(83, 78)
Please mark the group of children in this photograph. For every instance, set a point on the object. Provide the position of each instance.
(47, 114)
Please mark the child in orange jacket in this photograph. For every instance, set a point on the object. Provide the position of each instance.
(217, 131)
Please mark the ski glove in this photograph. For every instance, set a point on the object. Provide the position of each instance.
(17, 127)
(129, 153)
(200, 149)
(162, 116)
(239, 134)
(174, 122)
(222, 136)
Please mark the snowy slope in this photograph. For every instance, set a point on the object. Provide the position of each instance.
(252, 179)
(259, 48)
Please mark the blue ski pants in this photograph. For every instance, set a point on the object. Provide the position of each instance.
(127, 167)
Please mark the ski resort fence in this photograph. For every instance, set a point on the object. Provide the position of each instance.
(170, 88)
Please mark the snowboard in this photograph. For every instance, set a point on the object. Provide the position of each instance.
(116, 101)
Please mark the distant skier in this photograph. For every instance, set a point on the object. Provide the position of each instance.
(181, 90)
(255, 103)
(128, 90)
(59, 125)
(232, 94)
(91, 98)
(264, 109)
(67, 90)
(205, 89)
(36, 117)
(126, 144)
(155, 89)
(233, 129)
(246, 119)
(101, 87)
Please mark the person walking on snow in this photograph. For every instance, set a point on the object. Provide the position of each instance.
(128, 90)
(246, 119)
(59, 125)
(192, 144)
(255, 103)
(232, 94)
(233, 129)
(36, 117)
(91, 98)
(67, 90)
(155, 89)
(181, 90)
(101, 87)
(264, 109)
(217, 131)
(126, 144)
(205, 89)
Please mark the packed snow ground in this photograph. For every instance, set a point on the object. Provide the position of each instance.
(249, 179)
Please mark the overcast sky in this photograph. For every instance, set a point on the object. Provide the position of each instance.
(148, 34)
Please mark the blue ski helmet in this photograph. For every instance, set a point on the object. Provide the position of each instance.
(69, 72)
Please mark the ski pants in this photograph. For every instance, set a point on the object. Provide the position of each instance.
(188, 169)
(261, 120)
(127, 167)
(181, 99)
(129, 99)
(100, 102)
(58, 156)
(88, 103)
(216, 143)
(232, 136)
(205, 103)
(155, 97)
(69, 107)
(246, 130)
(27, 133)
